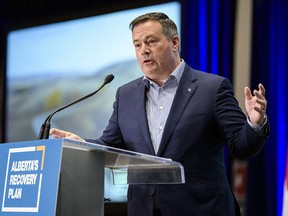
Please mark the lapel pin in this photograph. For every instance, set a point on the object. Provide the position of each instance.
(189, 90)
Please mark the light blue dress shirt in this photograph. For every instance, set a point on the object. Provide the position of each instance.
(159, 101)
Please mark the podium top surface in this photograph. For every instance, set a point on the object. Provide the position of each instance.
(141, 168)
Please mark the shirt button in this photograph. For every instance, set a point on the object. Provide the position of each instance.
(161, 127)
(160, 107)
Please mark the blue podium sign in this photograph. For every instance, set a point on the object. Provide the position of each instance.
(29, 177)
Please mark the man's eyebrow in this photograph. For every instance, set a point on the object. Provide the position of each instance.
(145, 38)
(136, 40)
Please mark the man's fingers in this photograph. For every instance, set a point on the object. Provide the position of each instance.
(261, 89)
(52, 131)
(58, 133)
(262, 103)
(247, 93)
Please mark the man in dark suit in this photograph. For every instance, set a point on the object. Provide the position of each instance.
(180, 113)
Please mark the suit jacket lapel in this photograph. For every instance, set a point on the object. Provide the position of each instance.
(185, 91)
(141, 114)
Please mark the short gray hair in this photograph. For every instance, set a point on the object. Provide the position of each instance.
(168, 26)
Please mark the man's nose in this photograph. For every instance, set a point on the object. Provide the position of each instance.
(145, 50)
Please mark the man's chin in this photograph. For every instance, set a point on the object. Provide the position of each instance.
(149, 73)
(149, 69)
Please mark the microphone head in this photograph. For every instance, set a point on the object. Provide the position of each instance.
(109, 78)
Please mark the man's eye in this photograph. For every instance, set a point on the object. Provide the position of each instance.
(136, 45)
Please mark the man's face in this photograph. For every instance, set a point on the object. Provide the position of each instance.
(156, 55)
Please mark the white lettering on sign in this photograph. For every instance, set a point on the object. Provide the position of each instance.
(27, 165)
(23, 179)
(14, 193)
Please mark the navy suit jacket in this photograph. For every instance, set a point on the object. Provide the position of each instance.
(204, 116)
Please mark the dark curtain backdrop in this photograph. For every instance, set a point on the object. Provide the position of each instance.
(207, 36)
(208, 31)
(270, 66)
(207, 40)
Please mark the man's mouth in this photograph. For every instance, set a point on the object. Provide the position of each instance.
(147, 61)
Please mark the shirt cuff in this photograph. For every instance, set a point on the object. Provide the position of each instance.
(256, 127)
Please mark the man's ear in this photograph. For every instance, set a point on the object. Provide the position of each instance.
(175, 42)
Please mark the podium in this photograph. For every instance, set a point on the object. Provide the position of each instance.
(65, 177)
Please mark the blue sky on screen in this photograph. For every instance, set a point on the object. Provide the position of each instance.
(80, 46)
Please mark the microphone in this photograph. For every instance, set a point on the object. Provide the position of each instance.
(45, 128)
